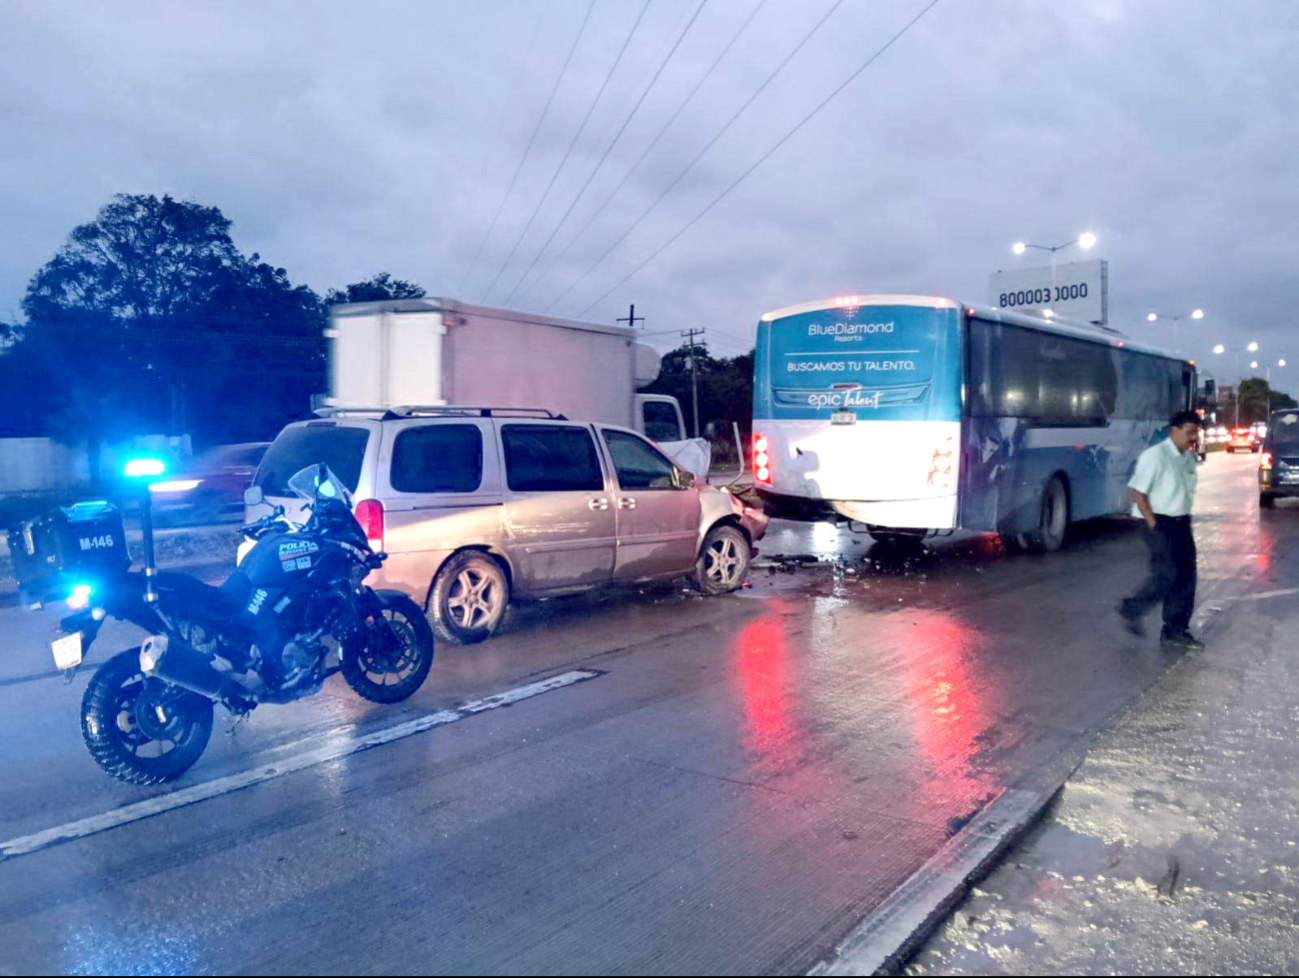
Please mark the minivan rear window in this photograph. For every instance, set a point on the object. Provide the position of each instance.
(1284, 430)
(341, 447)
(438, 458)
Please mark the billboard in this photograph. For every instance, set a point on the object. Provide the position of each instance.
(1078, 291)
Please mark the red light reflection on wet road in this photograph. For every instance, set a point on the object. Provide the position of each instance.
(950, 710)
(761, 662)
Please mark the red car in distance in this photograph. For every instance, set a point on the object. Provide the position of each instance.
(211, 488)
(1244, 440)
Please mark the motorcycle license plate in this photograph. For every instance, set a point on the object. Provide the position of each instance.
(67, 650)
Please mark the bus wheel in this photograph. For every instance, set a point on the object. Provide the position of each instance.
(1052, 520)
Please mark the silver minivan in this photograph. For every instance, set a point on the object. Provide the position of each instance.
(477, 506)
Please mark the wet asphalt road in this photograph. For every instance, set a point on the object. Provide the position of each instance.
(735, 786)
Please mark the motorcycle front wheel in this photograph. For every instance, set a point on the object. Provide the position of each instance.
(142, 730)
(396, 653)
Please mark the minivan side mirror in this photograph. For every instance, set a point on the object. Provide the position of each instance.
(684, 479)
(253, 496)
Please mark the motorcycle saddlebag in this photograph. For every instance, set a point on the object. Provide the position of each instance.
(79, 544)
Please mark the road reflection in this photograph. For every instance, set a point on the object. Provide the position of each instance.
(952, 709)
(761, 662)
(902, 724)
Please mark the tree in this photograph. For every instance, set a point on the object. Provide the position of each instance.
(380, 288)
(725, 390)
(152, 319)
(143, 259)
(1258, 400)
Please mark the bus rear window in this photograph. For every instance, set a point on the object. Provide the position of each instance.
(341, 447)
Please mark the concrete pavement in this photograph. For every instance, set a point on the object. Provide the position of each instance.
(741, 782)
(1174, 849)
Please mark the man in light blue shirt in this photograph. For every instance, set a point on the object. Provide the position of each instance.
(1163, 491)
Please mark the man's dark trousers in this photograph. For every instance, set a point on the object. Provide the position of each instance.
(1172, 575)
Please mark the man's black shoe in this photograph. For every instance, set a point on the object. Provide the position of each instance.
(1183, 640)
(1130, 621)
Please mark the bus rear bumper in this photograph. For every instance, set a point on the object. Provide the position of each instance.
(933, 513)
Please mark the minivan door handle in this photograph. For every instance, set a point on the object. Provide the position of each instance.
(627, 502)
(598, 504)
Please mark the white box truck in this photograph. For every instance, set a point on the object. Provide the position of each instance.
(436, 351)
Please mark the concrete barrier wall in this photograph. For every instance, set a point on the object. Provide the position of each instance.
(41, 465)
(37, 465)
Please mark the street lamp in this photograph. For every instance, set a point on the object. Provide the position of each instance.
(1279, 363)
(1252, 347)
(1176, 321)
(1085, 241)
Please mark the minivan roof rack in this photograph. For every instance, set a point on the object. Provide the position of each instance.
(433, 410)
(334, 412)
(461, 410)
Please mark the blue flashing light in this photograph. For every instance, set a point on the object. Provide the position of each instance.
(80, 597)
(144, 466)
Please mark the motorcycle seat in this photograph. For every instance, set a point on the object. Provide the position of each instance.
(213, 603)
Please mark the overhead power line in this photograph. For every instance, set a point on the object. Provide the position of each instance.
(568, 152)
(612, 143)
(767, 155)
(703, 152)
(527, 149)
(648, 149)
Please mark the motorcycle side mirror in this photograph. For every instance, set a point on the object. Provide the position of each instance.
(253, 496)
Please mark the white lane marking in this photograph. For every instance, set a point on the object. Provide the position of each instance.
(331, 751)
(1285, 592)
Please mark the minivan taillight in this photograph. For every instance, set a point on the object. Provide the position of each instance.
(762, 459)
(1266, 461)
(369, 513)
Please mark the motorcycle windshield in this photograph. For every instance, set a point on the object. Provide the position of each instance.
(318, 482)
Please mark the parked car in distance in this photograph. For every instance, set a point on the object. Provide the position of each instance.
(1244, 440)
(211, 487)
(478, 506)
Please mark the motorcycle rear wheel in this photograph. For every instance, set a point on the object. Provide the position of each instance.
(140, 730)
(391, 665)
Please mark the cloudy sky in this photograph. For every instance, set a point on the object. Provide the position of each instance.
(346, 138)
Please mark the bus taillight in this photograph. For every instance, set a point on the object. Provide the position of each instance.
(940, 465)
(761, 459)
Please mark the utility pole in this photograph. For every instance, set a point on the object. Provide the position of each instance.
(631, 319)
(694, 372)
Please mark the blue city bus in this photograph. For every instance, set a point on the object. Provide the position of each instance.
(911, 414)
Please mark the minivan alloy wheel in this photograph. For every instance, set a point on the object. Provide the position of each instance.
(724, 562)
(474, 598)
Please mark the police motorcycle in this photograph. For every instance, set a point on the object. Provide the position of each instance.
(295, 612)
